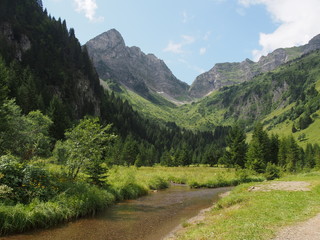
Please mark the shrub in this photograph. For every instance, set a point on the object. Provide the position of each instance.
(158, 183)
(272, 171)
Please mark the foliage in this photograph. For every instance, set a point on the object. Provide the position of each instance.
(272, 171)
(237, 147)
(259, 150)
(25, 181)
(24, 136)
(86, 145)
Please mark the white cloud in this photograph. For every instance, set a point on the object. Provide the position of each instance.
(298, 22)
(174, 47)
(186, 17)
(202, 51)
(187, 39)
(177, 47)
(88, 7)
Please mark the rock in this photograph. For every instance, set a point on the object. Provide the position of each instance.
(225, 74)
(143, 73)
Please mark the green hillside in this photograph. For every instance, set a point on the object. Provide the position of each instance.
(285, 100)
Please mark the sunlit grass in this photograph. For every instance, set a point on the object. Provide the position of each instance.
(257, 215)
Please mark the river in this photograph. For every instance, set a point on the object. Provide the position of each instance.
(150, 217)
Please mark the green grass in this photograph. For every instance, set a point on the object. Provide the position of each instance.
(311, 132)
(257, 215)
(77, 199)
(194, 176)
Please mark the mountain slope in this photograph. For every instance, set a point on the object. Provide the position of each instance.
(285, 98)
(50, 70)
(225, 74)
(289, 93)
(129, 66)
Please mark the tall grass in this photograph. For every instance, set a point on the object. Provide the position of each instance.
(80, 199)
(197, 177)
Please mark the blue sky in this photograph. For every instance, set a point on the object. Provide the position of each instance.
(192, 35)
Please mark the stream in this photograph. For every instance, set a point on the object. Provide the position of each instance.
(151, 217)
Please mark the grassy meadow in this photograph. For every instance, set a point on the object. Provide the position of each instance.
(73, 199)
(257, 214)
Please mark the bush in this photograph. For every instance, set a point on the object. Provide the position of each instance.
(25, 181)
(78, 200)
(272, 171)
(158, 183)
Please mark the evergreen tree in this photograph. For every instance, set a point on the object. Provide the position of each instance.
(130, 151)
(259, 150)
(274, 148)
(166, 159)
(293, 155)
(4, 77)
(290, 154)
(237, 146)
(60, 117)
(309, 157)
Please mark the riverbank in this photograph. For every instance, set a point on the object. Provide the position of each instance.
(258, 211)
(149, 217)
(77, 199)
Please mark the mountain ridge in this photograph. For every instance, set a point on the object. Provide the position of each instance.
(129, 66)
(225, 74)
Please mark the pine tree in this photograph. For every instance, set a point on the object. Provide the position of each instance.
(274, 148)
(130, 151)
(4, 77)
(309, 156)
(237, 146)
(259, 150)
(293, 155)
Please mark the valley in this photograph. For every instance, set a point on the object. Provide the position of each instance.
(87, 128)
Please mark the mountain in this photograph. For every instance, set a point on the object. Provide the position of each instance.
(287, 96)
(225, 74)
(44, 67)
(143, 73)
(49, 70)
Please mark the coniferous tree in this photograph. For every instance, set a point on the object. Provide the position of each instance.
(309, 156)
(293, 155)
(259, 150)
(274, 148)
(237, 146)
(130, 151)
(4, 78)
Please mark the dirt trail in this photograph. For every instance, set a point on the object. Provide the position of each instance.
(309, 230)
(282, 185)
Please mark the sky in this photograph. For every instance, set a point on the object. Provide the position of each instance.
(191, 36)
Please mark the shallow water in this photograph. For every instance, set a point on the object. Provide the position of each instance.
(150, 217)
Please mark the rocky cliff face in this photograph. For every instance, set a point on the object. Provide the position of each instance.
(20, 45)
(224, 74)
(140, 72)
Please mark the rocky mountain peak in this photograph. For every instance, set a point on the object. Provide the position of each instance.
(315, 40)
(223, 74)
(111, 39)
(129, 66)
(312, 45)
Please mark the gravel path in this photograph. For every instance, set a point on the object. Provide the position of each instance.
(309, 230)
